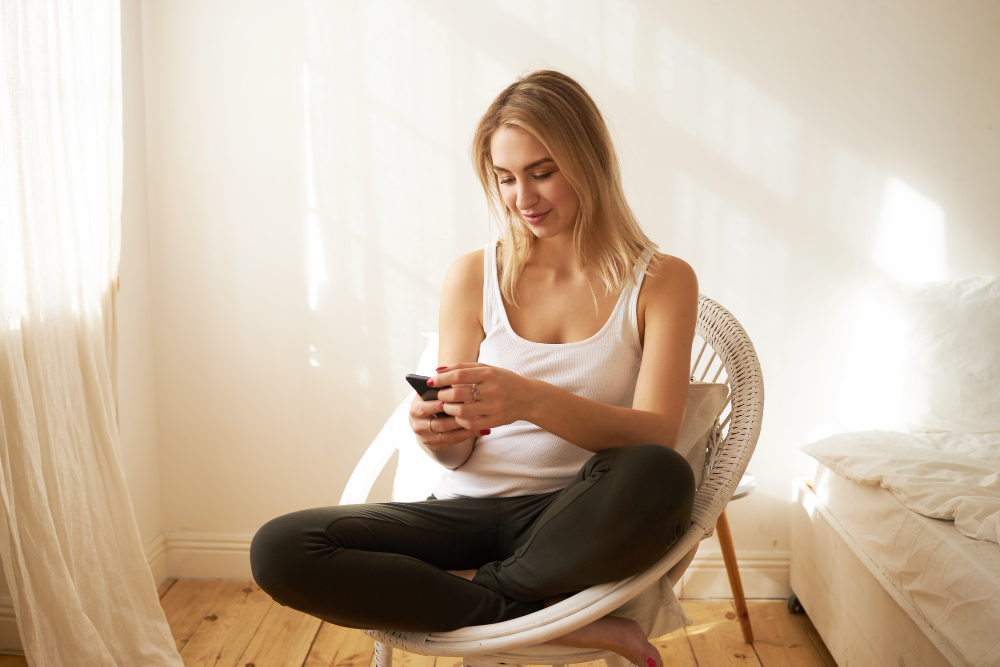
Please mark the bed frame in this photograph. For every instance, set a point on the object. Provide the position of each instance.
(861, 616)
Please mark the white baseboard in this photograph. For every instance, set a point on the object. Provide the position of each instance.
(226, 556)
(764, 574)
(208, 556)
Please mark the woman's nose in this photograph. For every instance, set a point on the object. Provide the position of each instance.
(526, 196)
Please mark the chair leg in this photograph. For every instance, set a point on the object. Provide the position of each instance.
(383, 655)
(729, 556)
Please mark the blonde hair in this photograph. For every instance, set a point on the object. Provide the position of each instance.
(558, 112)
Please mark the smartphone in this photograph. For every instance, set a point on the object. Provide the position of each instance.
(419, 384)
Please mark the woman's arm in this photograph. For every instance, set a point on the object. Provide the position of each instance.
(671, 309)
(460, 333)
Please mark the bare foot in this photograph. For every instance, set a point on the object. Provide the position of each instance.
(619, 635)
(611, 633)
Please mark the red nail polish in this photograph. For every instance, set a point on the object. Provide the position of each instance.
(650, 662)
(430, 383)
(440, 368)
(484, 431)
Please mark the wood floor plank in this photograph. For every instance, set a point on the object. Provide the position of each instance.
(164, 587)
(186, 605)
(233, 624)
(716, 638)
(779, 639)
(226, 631)
(815, 638)
(675, 648)
(592, 663)
(335, 646)
(13, 661)
(283, 639)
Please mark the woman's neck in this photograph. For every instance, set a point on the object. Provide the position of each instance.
(556, 254)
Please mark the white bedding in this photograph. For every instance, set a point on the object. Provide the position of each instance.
(952, 476)
(952, 580)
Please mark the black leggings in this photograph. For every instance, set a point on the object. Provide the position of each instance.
(383, 565)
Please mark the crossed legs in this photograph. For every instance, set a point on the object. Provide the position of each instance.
(386, 565)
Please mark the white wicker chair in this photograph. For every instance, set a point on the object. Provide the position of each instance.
(519, 641)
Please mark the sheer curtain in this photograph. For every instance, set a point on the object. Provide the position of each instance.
(81, 589)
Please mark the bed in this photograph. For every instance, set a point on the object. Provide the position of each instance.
(885, 585)
(895, 553)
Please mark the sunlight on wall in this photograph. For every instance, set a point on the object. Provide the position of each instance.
(869, 387)
(412, 187)
(731, 248)
(601, 33)
(315, 262)
(910, 241)
(841, 190)
(384, 145)
(711, 102)
(909, 246)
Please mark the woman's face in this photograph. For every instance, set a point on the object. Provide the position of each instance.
(531, 185)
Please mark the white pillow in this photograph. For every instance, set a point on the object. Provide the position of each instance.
(950, 353)
(417, 474)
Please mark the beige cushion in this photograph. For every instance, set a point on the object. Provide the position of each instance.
(705, 401)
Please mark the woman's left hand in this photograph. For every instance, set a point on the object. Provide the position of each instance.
(481, 396)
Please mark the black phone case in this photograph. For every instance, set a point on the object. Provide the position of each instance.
(419, 384)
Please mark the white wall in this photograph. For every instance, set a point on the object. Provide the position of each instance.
(309, 185)
(136, 390)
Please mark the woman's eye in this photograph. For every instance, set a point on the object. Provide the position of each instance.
(537, 177)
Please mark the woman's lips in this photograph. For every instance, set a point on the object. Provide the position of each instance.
(535, 219)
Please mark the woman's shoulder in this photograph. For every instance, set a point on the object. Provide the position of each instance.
(462, 294)
(465, 276)
(667, 270)
(669, 280)
(467, 267)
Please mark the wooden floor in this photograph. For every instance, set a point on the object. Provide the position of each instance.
(232, 624)
(235, 624)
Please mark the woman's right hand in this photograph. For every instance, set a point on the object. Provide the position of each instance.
(446, 431)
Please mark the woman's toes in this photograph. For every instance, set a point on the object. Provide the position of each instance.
(656, 661)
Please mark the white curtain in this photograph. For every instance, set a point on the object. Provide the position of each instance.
(81, 589)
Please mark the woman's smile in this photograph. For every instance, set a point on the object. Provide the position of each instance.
(536, 218)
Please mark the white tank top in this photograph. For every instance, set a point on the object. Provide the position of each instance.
(520, 458)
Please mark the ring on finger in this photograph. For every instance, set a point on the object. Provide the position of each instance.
(475, 392)
(430, 425)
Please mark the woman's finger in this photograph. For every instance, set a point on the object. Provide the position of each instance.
(463, 393)
(460, 374)
(428, 408)
(446, 439)
(475, 425)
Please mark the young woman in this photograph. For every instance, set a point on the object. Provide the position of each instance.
(566, 351)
